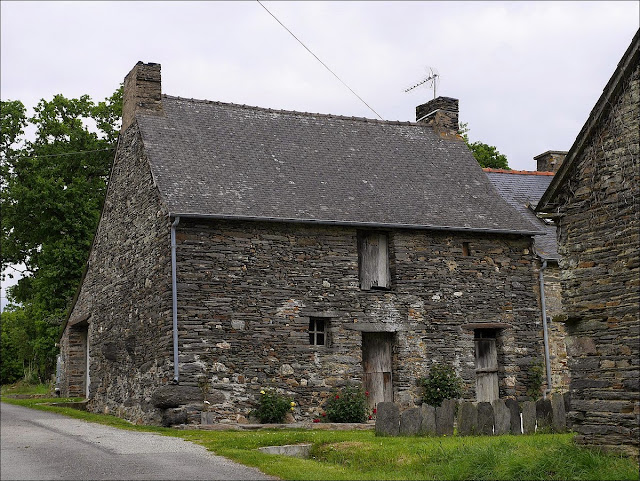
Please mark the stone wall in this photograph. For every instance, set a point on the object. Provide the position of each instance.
(125, 300)
(246, 291)
(560, 376)
(599, 237)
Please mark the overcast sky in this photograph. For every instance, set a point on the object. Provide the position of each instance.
(527, 74)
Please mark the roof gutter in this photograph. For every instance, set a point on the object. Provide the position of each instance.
(174, 298)
(376, 225)
(545, 331)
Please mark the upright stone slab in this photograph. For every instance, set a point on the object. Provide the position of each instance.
(514, 416)
(485, 418)
(467, 419)
(543, 414)
(558, 414)
(444, 417)
(567, 409)
(502, 417)
(428, 420)
(528, 417)
(411, 422)
(387, 419)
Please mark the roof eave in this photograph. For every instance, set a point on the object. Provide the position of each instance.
(376, 225)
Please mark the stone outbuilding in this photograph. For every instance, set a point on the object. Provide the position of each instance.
(595, 200)
(243, 248)
(523, 189)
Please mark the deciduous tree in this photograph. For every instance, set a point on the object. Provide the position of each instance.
(52, 193)
(486, 155)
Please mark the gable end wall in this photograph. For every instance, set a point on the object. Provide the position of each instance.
(126, 295)
(599, 238)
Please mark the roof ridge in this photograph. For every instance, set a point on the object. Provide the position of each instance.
(523, 172)
(296, 112)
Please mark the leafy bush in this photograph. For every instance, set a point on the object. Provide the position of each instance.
(272, 407)
(348, 405)
(441, 383)
(535, 379)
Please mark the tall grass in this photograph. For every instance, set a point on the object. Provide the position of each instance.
(24, 387)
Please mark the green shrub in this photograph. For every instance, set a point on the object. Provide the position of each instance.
(535, 379)
(441, 383)
(348, 405)
(272, 407)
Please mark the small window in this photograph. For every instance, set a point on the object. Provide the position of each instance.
(465, 249)
(373, 260)
(317, 331)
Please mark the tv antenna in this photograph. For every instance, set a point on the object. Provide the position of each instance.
(432, 78)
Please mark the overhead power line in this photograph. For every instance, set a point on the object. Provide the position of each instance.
(324, 64)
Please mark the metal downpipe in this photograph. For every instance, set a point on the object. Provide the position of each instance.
(174, 298)
(545, 330)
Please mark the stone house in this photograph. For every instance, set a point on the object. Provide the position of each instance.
(523, 189)
(595, 200)
(243, 248)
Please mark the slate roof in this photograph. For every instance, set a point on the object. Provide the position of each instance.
(523, 190)
(222, 160)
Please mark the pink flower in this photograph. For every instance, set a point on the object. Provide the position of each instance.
(375, 410)
(370, 417)
(337, 397)
(316, 420)
(366, 393)
(324, 414)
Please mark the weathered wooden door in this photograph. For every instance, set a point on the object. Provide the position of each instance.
(486, 366)
(84, 336)
(376, 362)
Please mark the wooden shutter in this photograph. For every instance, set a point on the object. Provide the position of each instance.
(373, 258)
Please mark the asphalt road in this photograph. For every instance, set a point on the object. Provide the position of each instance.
(42, 445)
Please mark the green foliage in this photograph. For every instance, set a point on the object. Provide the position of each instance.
(28, 346)
(486, 155)
(441, 383)
(53, 188)
(272, 407)
(535, 379)
(348, 405)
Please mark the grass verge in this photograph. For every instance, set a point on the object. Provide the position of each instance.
(25, 388)
(362, 455)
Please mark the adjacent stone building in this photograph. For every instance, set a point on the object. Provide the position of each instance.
(243, 248)
(595, 199)
(522, 189)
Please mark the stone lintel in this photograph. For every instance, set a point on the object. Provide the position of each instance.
(374, 327)
(486, 325)
(79, 321)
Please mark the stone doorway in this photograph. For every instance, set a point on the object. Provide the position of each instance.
(78, 362)
(486, 355)
(376, 363)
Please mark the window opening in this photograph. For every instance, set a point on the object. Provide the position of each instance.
(317, 331)
(465, 249)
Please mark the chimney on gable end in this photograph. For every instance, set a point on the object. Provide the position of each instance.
(440, 113)
(550, 161)
(142, 92)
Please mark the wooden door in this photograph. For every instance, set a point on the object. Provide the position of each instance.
(376, 362)
(486, 369)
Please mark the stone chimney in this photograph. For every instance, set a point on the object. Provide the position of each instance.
(440, 113)
(142, 92)
(550, 161)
